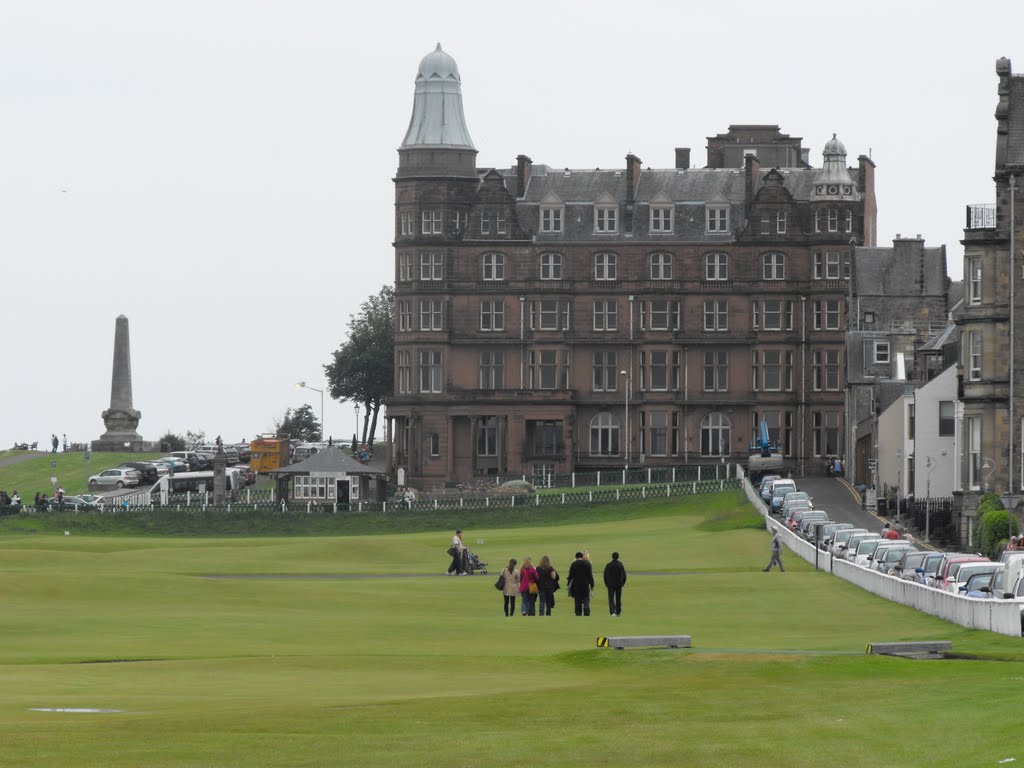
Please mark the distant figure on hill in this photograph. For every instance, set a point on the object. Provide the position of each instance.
(54, 442)
(65, 442)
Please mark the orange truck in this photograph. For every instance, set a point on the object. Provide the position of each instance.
(269, 453)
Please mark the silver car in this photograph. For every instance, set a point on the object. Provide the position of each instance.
(121, 477)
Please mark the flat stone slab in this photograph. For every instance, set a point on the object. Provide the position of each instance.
(645, 641)
(920, 649)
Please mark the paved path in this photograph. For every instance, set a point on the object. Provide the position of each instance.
(18, 459)
(841, 502)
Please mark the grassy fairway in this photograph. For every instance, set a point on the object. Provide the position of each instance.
(403, 666)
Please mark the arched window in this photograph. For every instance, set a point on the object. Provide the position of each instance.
(604, 435)
(849, 221)
(715, 433)
(833, 220)
(819, 220)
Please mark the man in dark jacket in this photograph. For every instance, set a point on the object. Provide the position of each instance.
(581, 581)
(615, 580)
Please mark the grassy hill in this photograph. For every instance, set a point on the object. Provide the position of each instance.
(355, 650)
(72, 470)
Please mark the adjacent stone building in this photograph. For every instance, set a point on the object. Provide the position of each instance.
(900, 298)
(992, 353)
(553, 319)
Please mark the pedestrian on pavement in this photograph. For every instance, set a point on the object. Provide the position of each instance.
(614, 581)
(776, 547)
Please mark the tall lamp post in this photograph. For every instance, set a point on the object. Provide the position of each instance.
(931, 464)
(304, 385)
(356, 433)
(629, 384)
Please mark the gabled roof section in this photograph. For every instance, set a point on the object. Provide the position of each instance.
(551, 199)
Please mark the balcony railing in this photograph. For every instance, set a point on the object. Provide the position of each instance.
(981, 217)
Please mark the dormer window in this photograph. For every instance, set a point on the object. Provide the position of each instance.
(717, 218)
(551, 218)
(780, 222)
(661, 219)
(485, 222)
(606, 219)
(500, 222)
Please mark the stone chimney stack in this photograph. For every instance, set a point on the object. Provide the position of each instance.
(524, 166)
(682, 158)
(752, 172)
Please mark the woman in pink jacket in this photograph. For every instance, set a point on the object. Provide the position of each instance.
(528, 587)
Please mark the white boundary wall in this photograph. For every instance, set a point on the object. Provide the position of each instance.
(1002, 616)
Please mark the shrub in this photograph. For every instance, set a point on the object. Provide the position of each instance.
(994, 530)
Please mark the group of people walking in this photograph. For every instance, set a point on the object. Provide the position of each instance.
(536, 585)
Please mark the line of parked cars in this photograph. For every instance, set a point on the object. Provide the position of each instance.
(961, 573)
(132, 474)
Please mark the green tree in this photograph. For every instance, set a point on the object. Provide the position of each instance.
(173, 442)
(194, 439)
(363, 367)
(299, 423)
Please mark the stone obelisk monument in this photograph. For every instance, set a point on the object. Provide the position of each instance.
(120, 419)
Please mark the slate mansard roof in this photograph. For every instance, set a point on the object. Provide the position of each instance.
(898, 271)
(688, 191)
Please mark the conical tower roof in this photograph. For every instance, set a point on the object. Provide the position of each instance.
(437, 118)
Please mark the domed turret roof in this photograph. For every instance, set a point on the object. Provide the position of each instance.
(437, 118)
(833, 181)
(834, 147)
(437, 63)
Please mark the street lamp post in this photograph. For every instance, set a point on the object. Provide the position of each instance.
(931, 464)
(356, 433)
(629, 382)
(304, 385)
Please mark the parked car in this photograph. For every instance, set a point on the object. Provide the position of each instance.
(119, 477)
(840, 539)
(779, 490)
(828, 532)
(229, 452)
(244, 452)
(931, 564)
(76, 502)
(979, 585)
(905, 567)
(147, 472)
(176, 464)
(790, 506)
(803, 519)
(766, 487)
(850, 550)
(812, 531)
(204, 461)
(189, 457)
(948, 568)
(888, 554)
(865, 549)
(966, 570)
(797, 496)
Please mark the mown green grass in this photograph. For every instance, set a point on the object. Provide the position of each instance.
(423, 670)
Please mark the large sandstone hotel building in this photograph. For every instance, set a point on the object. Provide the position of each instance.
(555, 320)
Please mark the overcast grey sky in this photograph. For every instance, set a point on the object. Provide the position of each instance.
(220, 170)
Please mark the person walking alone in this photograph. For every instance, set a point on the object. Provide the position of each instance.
(615, 580)
(457, 551)
(776, 547)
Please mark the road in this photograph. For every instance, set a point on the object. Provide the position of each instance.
(839, 500)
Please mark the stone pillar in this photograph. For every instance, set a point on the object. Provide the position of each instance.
(220, 485)
(120, 419)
